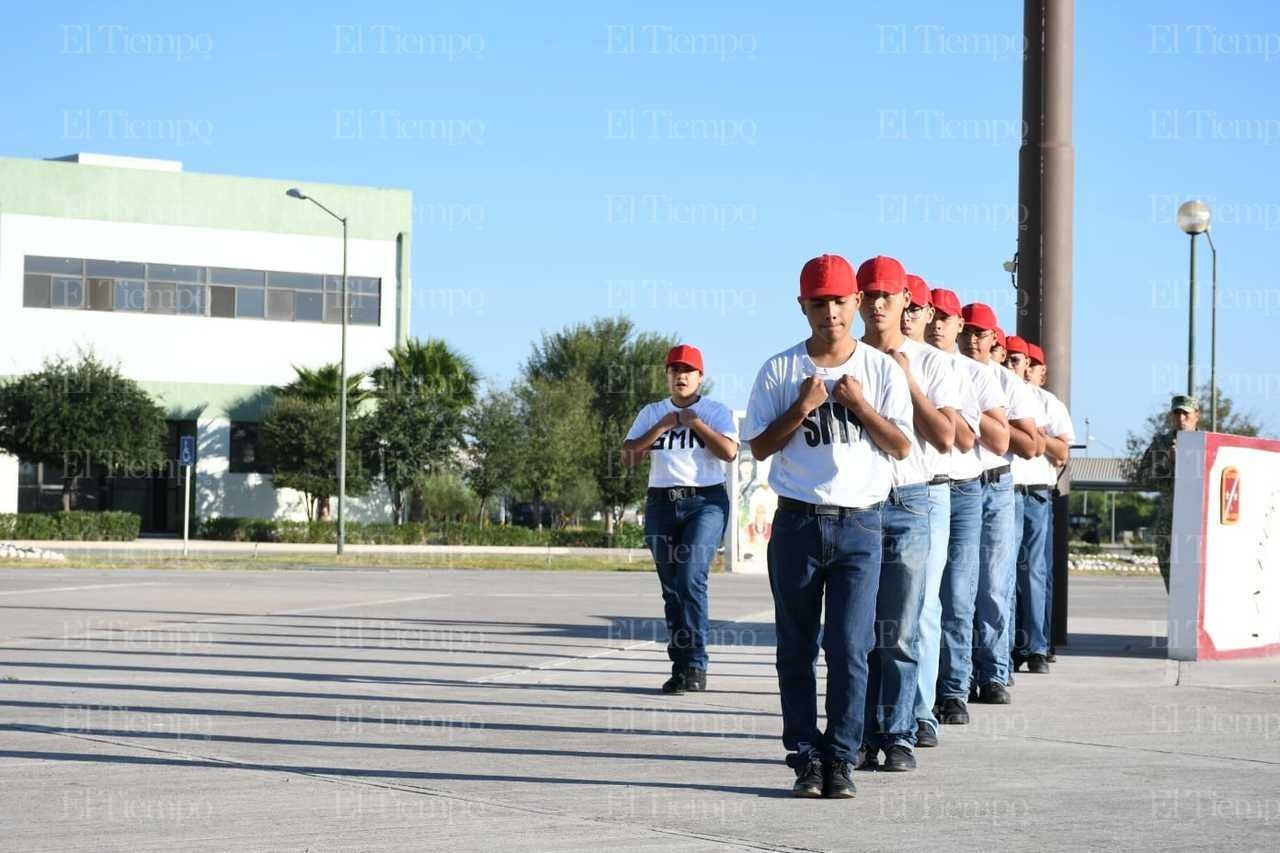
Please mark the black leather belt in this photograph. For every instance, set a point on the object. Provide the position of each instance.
(992, 474)
(939, 480)
(1032, 490)
(967, 481)
(803, 508)
(679, 493)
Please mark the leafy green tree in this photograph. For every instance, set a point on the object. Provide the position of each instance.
(300, 443)
(321, 384)
(557, 438)
(496, 435)
(81, 415)
(1156, 428)
(417, 427)
(621, 371)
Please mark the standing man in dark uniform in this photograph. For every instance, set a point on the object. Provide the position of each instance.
(1155, 473)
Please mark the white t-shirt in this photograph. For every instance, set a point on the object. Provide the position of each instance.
(1032, 472)
(1018, 403)
(680, 457)
(830, 459)
(1060, 426)
(935, 375)
(981, 394)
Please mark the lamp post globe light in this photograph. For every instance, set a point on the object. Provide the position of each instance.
(1195, 218)
(294, 192)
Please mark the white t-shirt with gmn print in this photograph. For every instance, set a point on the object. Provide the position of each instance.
(680, 457)
(830, 459)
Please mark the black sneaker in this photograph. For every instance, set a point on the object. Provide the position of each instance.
(1038, 665)
(1051, 657)
(925, 735)
(973, 692)
(1018, 659)
(868, 759)
(677, 683)
(695, 680)
(954, 712)
(993, 694)
(810, 778)
(836, 781)
(1008, 682)
(899, 758)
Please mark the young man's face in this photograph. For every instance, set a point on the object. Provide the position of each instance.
(977, 343)
(831, 317)
(1018, 363)
(998, 354)
(1181, 420)
(683, 380)
(883, 311)
(943, 329)
(915, 320)
(1038, 373)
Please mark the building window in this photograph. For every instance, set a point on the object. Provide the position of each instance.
(246, 449)
(279, 296)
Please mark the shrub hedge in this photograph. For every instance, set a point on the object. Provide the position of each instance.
(413, 533)
(78, 525)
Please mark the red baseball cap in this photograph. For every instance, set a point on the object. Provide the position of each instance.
(945, 301)
(827, 275)
(882, 274)
(686, 355)
(919, 290)
(1016, 344)
(1000, 337)
(1035, 354)
(980, 315)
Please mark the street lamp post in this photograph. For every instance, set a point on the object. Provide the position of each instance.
(1213, 334)
(1193, 219)
(294, 192)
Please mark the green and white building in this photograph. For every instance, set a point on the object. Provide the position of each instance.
(207, 290)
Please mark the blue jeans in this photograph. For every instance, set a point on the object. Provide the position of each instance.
(683, 536)
(959, 589)
(809, 557)
(892, 665)
(931, 613)
(1011, 634)
(1048, 580)
(996, 558)
(1032, 637)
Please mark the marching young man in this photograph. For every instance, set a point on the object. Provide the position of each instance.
(961, 406)
(996, 564)
(833, 411)
(688, 439)
(1032, 483)
(960, 577)
(1062, 435)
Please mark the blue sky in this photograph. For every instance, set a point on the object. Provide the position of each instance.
(679, 162)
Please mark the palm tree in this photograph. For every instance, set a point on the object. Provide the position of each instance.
(431, 368)
(320, 385)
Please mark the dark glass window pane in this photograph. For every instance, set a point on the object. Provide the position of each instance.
(364, 310)
(308, 306)
(297, 280)
(249, 303)
(244, 278)
(67, 293)
(333, 307)
(161, 298)
(35, 291)
(246, 449)
(334, 282)
(168, 272)
(279, 304)
(131, 296)
(357, 284)
(54, 266)
(114, 269)
(101, 294)
(222, 302)
(191, 299)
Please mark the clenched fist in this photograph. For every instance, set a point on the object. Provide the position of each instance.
(848, 391)
(813, 393)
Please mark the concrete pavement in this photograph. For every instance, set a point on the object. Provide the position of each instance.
(418, 710)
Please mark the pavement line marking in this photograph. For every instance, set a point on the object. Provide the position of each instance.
(74, 588)
(346, 606)
(565, 661)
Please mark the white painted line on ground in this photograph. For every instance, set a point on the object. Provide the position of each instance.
(349, 606)
(75, 588)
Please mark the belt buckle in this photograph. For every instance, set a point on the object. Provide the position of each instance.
(675, 494)
(821, 509)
